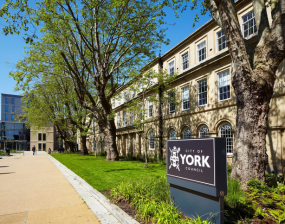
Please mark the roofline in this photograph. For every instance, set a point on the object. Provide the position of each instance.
(210, 22)
(6, 94)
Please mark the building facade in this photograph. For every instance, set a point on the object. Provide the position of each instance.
(13, 133)
(203, 89)
(44, 139)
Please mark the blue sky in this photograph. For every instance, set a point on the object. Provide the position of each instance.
(11, 46)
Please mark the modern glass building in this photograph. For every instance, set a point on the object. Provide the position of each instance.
(14, 134)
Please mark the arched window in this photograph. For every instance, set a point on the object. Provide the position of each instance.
(172, 134)
(186, 133)
(151, 140)
(226, 132)
(204, 132)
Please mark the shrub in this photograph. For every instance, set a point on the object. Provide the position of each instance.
(235, 196)
(150, 197)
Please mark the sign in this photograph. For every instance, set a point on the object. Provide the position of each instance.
(197, 174)
(192, 160)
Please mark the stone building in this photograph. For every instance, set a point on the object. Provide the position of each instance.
(207, 102)
(43, 139)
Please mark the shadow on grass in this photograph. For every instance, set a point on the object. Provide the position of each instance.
(114, 170)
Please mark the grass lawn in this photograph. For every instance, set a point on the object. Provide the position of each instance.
(103, 175)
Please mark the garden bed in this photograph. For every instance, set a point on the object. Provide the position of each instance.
(144, 194)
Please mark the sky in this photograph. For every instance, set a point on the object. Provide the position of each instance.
(12, 46)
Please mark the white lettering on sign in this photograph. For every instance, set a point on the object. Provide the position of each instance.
(183, 158)
(196, 160)
(205, 161)
(192, 160)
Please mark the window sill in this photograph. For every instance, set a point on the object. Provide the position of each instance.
(224, 100)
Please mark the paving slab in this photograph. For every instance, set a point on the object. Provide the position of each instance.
(33, 190)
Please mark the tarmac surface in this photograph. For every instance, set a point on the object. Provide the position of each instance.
(33, 190)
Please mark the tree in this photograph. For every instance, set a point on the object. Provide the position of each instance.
(102, 41)
(253, 76)
(155, 87)
(50, 99)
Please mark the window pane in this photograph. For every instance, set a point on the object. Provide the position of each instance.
(171, 68)
(172, 134)
(149, 109)
(202, 92)
(204, 132)
(186, 133)
(185, 61)
(249, 25)
(151, 140)
(44, 137)
(39, 136)
(171, 104)
(226, 132)
(185, 98)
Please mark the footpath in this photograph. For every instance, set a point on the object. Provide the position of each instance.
(34, 190)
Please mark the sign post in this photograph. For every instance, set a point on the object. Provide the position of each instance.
(197, 173)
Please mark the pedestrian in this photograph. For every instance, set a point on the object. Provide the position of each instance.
(34, 149)
(49, 151)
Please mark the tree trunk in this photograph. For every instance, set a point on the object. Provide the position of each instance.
(253, 77)
(71, 146)
(84, 150)
(249, 156)
(112, 152)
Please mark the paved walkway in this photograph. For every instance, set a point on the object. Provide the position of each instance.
(32, 190)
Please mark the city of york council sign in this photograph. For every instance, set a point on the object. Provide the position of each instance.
(192, 160)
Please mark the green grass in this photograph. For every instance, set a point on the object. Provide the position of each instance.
(104, 175)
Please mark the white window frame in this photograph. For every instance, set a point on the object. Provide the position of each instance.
(203, 127)
(202, 92)
(125, 118)
(197, 50)
(125, 97)
(170, 102)
(140, 87)
(217, 40)
(133, 93)
(229, 140)
(169, 68)
(150, 108)
(186, 52)
(219, 100)
(183, 133)
(151, 141)
(242, 23)
(119, 100)
(132, 116)
(172, 134)
(185, 99)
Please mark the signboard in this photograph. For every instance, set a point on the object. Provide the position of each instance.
(197, 174)
(192, 159)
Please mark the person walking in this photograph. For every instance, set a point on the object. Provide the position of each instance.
(34, 149)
